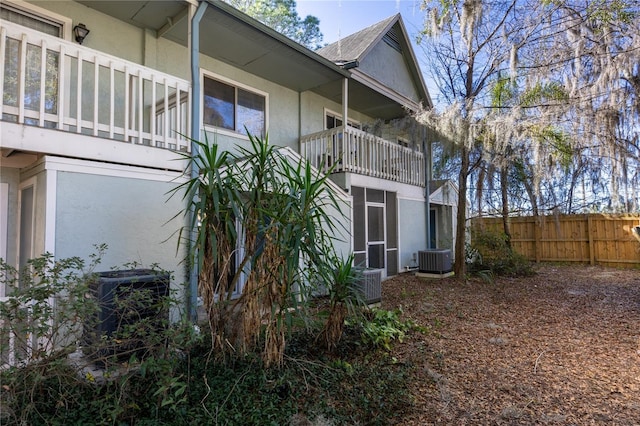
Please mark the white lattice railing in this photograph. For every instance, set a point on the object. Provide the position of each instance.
(356, 151)
(53, 83)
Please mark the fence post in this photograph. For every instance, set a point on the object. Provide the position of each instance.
(592, 252)
(538, 237)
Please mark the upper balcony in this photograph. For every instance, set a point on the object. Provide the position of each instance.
(53, 83)
(355, 151)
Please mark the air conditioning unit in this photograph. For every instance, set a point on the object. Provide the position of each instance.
(370, 286)
(124, 297)
(435, 261)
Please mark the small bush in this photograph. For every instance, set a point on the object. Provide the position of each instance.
(45, 378)
(490, 255)
(382, 328)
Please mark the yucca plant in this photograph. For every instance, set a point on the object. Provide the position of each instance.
(285, 208)
(344, 299)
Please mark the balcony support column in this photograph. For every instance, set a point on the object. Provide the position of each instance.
(345, 101)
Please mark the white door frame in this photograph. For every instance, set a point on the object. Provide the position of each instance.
(31, 182)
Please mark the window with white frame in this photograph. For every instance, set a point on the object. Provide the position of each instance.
(4, 227)
(407, 144)
(42, 20)
(333, 120)
(28, 17)
(175, 118)
(234, 108)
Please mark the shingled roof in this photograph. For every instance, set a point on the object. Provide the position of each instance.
(355, 46)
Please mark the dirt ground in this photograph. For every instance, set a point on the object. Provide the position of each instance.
(559, 348)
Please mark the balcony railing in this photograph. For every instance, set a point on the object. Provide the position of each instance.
(53, 83)
(355, 151)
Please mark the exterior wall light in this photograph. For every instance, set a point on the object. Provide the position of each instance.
(80, 31)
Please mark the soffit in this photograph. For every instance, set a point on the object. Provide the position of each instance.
(143, 14)
(232, 37)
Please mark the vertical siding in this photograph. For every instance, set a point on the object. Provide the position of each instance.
(603, 239)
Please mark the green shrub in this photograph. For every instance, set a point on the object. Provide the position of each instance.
(175, 380)
(490, 255)
(49, 381)
(381, 328)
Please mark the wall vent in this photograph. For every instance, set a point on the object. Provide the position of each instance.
(435, 261)
(392, 39)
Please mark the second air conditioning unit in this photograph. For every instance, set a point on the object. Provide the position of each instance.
(435, 261)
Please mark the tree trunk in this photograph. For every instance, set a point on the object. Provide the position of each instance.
(506, 222)
(460, 266)
(528, 187)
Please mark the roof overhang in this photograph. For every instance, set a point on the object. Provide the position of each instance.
(233, 37)
(443, 192)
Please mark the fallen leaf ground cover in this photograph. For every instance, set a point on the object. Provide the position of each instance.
(561, 347)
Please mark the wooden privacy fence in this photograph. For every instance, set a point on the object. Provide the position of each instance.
(597, 239)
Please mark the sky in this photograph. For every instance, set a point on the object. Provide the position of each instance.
(339, 18)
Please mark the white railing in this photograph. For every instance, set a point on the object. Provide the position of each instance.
(53, 83)
(355, 151)
(15, 347)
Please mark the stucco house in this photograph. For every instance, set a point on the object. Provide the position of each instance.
(91, 124)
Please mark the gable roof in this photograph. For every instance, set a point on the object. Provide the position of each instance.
(443, 192)
(353, 49)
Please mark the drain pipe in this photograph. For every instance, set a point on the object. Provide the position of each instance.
(195, 135)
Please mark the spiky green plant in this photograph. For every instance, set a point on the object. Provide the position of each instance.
(287, 213)
(344, 299)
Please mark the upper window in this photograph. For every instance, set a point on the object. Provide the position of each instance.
(234, 108)
(405, 142)
(30, 19)
(333, 120)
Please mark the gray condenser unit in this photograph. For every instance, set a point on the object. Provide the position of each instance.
(370, 286)
(437, 261)
(125, 298)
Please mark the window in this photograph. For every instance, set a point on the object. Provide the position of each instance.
(41, 20)
(4, 213)
(30, 19)
(26, 217)
(175, 118)
(333, 120)
(234, 108)
(405, 142)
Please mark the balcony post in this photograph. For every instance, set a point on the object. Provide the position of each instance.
(345, 101)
